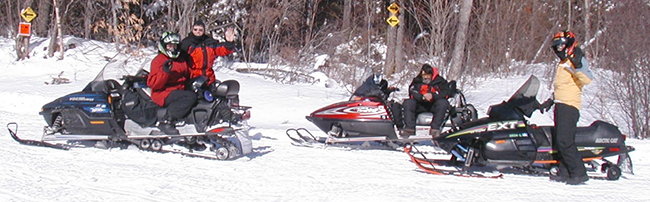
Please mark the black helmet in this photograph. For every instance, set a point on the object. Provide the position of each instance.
(166, 38)
(566, 38)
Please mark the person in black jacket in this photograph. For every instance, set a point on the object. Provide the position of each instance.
(428, 92)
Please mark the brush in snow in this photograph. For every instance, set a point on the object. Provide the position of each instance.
(109, 114)
(506, 139)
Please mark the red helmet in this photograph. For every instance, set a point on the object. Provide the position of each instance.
(566, 38)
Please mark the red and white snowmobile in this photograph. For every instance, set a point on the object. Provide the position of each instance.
(367, 121)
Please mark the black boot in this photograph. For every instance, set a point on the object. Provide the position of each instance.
(167, 127)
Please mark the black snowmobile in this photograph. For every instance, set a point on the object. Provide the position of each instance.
(506, 139)
(370, 119)
(109, 114)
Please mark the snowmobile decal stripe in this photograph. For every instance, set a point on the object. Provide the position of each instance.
(485, 127)
(555, 161)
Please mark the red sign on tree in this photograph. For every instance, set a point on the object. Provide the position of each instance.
(25, 29)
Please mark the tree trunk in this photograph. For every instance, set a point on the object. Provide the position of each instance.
(52, 47)
(22, 42)
(391, 40)
(88, 17)
(56, 28)
(569, 18)
(114, 21)
(40, 23)
(455, 71)
(399, 45)
(187, 17)
(347, 14)
(587, 13)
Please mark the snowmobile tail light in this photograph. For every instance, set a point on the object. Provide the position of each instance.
(614, 149)
(246, 115)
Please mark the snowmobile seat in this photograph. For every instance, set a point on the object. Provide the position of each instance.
(227, 88)
(424, 118)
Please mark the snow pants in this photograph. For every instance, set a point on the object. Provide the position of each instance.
(566, 120)
(179, 103)
(412, 107)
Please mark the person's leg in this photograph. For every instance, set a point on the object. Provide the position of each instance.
(440, 109)
(396, 110)
(566, 119)
(409, 106)
(179, 103)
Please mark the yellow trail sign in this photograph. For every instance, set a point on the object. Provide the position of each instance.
(28, 14)
(393, 8)
(392, 21)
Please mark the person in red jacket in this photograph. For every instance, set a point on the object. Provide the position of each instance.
(429, 92)
(167, 79)
(202, 50)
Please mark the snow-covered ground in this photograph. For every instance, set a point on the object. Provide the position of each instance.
(275, 171)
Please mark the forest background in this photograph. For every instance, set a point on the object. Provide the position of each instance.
(466, 39)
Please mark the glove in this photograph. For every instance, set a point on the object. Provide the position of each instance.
(167, 67)
(544, 107)
(576, 58)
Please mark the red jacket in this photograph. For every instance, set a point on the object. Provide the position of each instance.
(163, 83)
(202, 52)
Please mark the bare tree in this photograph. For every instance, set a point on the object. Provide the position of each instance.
(347, 14)
(627, 56)
(43, 20)
(455, 69)
(89, 9)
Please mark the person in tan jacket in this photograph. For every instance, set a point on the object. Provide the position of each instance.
(572, 75)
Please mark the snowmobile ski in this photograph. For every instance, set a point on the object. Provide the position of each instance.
(303, 138)
(220, 147)
(432, 166)
(33, 142)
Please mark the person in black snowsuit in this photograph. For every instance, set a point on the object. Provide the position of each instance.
(376, 87)
(428, 92)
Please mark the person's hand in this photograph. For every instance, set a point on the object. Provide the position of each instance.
(167, 67)
(230, 34)
(544, 107)
(428, 96)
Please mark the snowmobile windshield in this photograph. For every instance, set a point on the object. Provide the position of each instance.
(525, 99)
(527, 90)
(116, 68)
